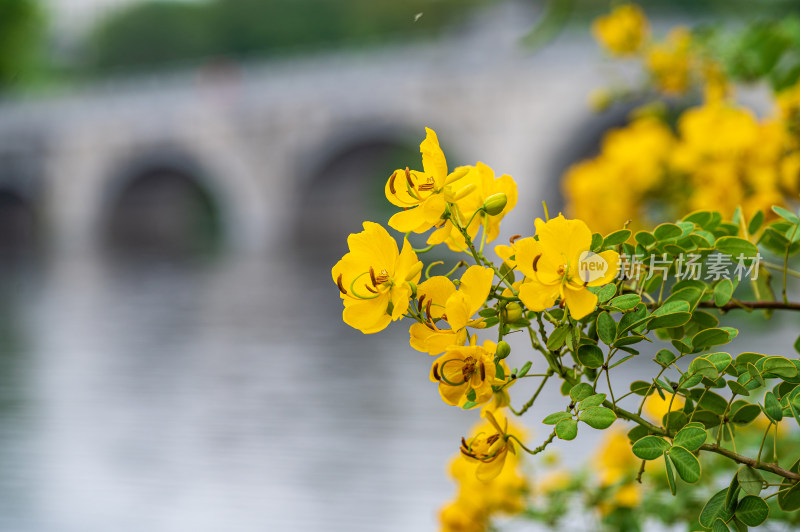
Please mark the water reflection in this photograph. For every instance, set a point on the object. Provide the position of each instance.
(166, 395)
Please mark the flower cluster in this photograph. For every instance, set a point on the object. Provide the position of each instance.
(718, 155)
(589, 302)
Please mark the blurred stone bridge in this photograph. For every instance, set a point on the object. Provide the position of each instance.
(263, 141)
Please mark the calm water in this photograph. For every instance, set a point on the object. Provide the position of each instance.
(228, 396)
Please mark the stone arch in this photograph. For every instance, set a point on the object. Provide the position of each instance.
(19, 223)
(164, 201)
(342, 183)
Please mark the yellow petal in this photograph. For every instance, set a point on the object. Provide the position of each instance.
(434, 342)
(457, 309)
(527, 250)
(537, 296)
(367, 315)
(433, 161)
(407, 263)
(580, 302)
(475, 284)
(612, 259)
(397, 188)
(436, 289)
(409, 220)
(374, 241)
(432, 209)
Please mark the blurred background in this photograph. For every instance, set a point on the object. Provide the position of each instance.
(177, 179)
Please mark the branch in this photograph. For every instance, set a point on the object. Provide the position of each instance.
(755, 464)
(751, 305)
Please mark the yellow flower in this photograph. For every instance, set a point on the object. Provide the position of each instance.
(462, 515)
(669, 62)
(422, 195)
(560, 266)
(623, 31)
(615, 459)
(439, 299)
(489, 448)
(463, 371)
(374, 280)
(482, 184)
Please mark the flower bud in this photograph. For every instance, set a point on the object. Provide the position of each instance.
(495, 204)
(512, 313)
(503, 350)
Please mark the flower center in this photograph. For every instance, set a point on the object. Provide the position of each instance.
(469, 368)
(427, 185)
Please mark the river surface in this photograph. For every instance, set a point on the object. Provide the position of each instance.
(228, 395)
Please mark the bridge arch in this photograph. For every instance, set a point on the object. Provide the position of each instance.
(342, 181)
(163, 201)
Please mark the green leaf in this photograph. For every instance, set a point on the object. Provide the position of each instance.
(567, 429)
(524, 369)
(625, 302)
(710, 337)
(755, 222)
(703, 367)
(746, 414)
(723, 291)
(650, 447)
(555, 417)
(640, 387)
(719, 526)
(598, 417)
(690, 438)
(755, 374)
(720, 360)
(733, 494)
(752, 510)
(580, 391)
(597, 242)
(786, 214)
(592, 400)
(590, 356)
(644, 238)
(750, 480)
(637, 433)
(670, 475)
(686, 464)
(665, 357)
(558, 337)
(737, 388)
(676, 319)
(606, 293)
(714, 508)
(667, 232)
(606, 328)
(735, 246)
(779, 367)
(772, 408)
(789, 500)
(710, 401)
(616, 238)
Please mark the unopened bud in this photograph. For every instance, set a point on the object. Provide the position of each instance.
(512, 313)
(495, 204)
(503, 350)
